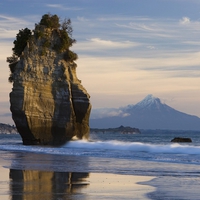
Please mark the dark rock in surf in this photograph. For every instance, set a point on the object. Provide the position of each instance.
(180, 139)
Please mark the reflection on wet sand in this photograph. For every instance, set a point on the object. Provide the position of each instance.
(46, 185)
(46, 177)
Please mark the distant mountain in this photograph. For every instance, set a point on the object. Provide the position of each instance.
(150, 113)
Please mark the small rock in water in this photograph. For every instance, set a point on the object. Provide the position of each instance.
(180, 139)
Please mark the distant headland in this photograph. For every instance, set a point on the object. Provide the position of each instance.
(121, 129)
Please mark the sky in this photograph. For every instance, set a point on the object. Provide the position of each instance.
(127, 49)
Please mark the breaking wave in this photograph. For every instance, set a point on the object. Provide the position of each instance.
(81, 147)
(136, 147)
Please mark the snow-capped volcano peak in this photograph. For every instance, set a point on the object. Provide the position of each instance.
(150, 113)
(148, 101)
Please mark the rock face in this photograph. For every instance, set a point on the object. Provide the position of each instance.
(48, 103)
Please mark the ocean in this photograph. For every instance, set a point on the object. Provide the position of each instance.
(175, 166)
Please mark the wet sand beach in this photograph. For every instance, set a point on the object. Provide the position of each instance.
(40, 184)
(81, 171)
(25, 174)
(46, 185)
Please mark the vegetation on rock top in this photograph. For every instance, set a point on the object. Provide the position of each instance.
(48, 28)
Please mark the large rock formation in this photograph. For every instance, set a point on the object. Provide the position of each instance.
(48, 103)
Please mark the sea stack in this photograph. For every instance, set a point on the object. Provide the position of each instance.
(48, 103)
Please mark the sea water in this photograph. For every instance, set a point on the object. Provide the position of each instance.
(147, 146)
(151, 153)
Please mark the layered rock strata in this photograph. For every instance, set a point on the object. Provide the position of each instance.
(48, 103)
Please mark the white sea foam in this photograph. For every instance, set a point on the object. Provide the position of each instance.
(136, 147)
(80, 146)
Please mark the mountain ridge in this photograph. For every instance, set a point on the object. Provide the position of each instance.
(150, 113)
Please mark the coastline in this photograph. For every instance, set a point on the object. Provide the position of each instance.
(98, 170)
(35, 183)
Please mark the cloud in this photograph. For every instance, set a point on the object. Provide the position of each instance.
(97, 44)
(117, 19)
(146, 24)
(150, 47)
(185, 20)
(125, 69)
(126, 78)
(7, 34)
(82, 19)
(10, 25)
(192, 43)
(107, 112)
(154, 29)
(10, 22)
(62, 7)
(112, 44)
(136, 36)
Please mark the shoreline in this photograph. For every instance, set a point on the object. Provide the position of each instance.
(34, 184)
(26, 175)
